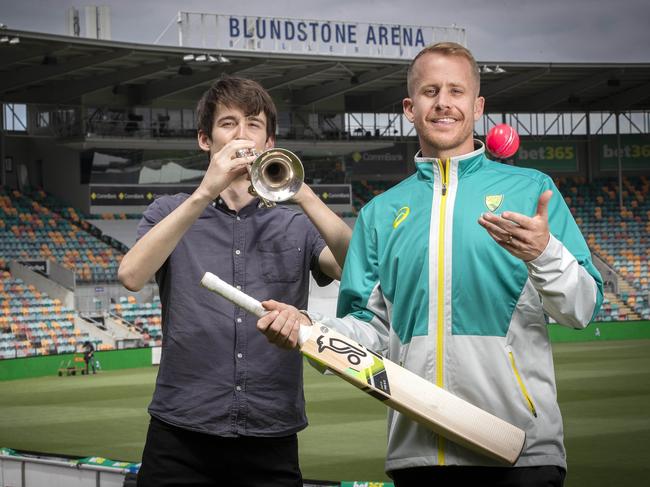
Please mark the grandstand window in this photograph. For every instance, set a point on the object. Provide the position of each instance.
(408, 129)
(553, 123)
(486, 122)
(578, 123)
(354, 123)
(143, 115)
(284, 125)
(564, 124)
(526, 124)
(174, 118)
(634, 122)
(313, 123)
(602, 123)
(15, 117)
(188, 119)
(378, 125)
(43, 119)
(66, 121)
(479, 128)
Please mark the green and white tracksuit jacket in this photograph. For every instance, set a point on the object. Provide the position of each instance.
(427, 286)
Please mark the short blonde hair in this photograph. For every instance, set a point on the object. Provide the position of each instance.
(445, 49)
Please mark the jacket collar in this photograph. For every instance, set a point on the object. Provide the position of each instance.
(467, 163)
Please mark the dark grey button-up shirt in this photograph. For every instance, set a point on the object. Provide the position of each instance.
(218, 374)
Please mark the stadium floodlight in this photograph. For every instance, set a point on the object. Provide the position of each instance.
(212, 59)
(201, 58)
(223, 59)
(14, 40)
(4, 39)
(188, 57)
(486, 69)
(499, 70)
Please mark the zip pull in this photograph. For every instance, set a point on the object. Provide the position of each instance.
(444, 173)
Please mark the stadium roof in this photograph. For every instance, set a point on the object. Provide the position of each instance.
(51, 69)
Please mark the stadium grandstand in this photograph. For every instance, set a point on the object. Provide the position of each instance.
(93, 130)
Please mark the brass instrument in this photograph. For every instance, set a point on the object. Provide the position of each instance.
(276, 174)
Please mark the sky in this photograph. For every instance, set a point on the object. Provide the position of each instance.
(592, 31)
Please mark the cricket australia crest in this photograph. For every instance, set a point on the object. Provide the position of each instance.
(493, 201)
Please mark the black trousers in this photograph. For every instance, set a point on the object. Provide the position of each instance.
(177, 457)
(544, 476)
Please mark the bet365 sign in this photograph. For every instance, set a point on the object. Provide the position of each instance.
(548, 155)
(634, 152)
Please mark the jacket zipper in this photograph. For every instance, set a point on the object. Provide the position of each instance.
(522, 386)
(444, 172)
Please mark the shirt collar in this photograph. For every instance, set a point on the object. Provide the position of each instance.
(466, 162)
(254, 205)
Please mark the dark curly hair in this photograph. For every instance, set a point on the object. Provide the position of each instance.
(233, 92)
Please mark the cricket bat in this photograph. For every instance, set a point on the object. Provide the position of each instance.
(397, 387)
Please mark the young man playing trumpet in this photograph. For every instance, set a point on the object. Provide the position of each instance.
(227, 406)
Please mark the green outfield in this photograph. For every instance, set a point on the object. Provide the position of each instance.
(604, 392)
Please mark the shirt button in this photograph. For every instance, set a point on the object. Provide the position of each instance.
(238, 251)
(239, 355)
(238, 320)
(238, 219)
(238, 388)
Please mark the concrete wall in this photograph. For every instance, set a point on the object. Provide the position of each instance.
(55, 168)
(62, 173)
(43, 284)
(122, 230)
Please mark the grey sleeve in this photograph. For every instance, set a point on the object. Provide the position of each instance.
(154, 213)
(316, 246)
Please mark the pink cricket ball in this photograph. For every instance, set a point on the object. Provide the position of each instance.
(502, 141)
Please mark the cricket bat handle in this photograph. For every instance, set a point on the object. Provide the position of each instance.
(250, 304)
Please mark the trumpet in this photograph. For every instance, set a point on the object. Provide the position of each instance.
(276, 174)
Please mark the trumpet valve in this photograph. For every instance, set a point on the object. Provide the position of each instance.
(246, 153)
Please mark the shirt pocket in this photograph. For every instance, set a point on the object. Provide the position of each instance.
(280, 260)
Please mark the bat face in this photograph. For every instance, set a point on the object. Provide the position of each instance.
(362, 364)
(352, 353)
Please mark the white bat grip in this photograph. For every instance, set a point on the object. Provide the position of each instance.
(243, 300)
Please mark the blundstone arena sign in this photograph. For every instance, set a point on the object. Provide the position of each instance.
(324, 37)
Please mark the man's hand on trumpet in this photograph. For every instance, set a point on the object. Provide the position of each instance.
(225, 166)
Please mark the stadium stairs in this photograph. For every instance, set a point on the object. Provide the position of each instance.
(112, 330)
(144, 317)
(31, 323)
(615, 309)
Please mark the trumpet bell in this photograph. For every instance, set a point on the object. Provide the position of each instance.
(276, 175)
